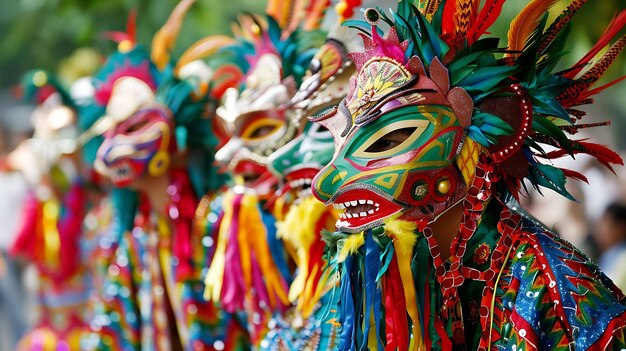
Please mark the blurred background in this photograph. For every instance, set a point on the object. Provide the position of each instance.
(65, 36)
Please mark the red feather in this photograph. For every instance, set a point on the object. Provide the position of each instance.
(447, 24)
(595, 91)
(487, 16)
(395, 309)
(131, 26)
(574, 175)
(573, 129)
(116, 36)
(611, 31)
(602, 153)
(560, 22)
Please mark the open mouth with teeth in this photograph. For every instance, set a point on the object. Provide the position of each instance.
(299, 181)
(362, 209)
(121, 174)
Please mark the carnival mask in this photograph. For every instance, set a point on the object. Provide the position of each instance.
(54, 136)
(323, 87)
(302, 158)
(397, 136)
(139, 141)
(257, 123)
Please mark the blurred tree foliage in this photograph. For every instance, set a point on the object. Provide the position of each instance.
(40, 33)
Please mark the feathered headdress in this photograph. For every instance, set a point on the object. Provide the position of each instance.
(275, 51)
(185, 86)
(520, 107)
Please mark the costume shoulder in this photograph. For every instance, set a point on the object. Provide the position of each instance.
(562, 298)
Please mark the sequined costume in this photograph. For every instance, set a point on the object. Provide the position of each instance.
(443, 126)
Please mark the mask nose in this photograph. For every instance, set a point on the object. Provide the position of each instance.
(227, 152)
(327, 182)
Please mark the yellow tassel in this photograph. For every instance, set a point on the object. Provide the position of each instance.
(300, 222)
(249, 223)
(51, 237)
(298, 232)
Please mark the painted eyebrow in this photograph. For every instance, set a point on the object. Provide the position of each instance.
(374, 111)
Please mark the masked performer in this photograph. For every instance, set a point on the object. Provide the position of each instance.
(439, 134)
(295, 164)
(249, 273)
(51, 231)
(155, 121)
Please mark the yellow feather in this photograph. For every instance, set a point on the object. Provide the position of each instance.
(525, 23)
(403, 233)
(202, 49)
(279, 10)
(350, 246)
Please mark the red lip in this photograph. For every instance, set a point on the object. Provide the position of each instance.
(302, 173)
(360, 207)
(250, 167)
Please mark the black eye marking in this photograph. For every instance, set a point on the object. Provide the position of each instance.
(391, 140)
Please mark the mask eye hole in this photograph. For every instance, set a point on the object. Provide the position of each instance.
(261, 132)
(261, 129)
(320, 132)
(137, 126)
(391, 140)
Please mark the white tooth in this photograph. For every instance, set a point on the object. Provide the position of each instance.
(336, 206)
(377, 208)
(370, 212)
(355, 215)
(307, 181)
(347, 204)
(370, 202)
(377, 205)
(362, 202)
(354, 203)
(348, 215)
(341, 206)
(363, 214)
(341, 215)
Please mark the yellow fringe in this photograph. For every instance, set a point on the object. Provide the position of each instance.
(298, 231)
(51, 236)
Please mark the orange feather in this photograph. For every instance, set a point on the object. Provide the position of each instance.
(525, 23)
(165, 39)
(203, 48)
